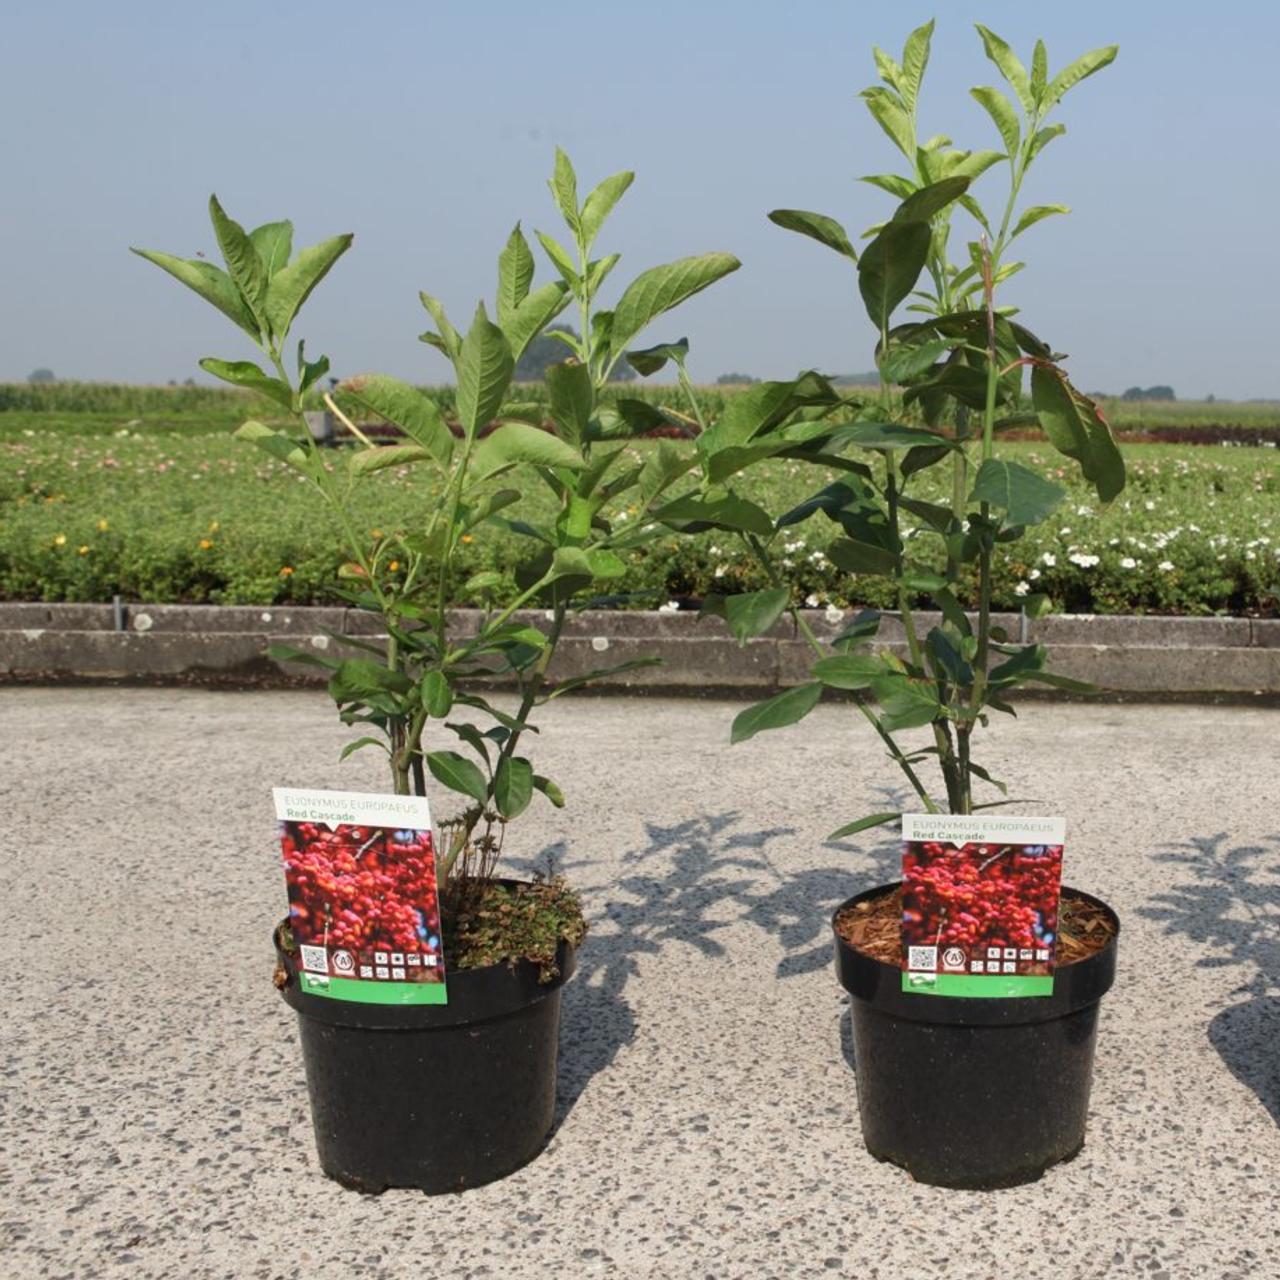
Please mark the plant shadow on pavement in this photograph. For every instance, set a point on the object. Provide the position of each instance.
(693, 880)
(1231, 906)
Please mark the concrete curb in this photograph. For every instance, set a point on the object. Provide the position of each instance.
(193, 644)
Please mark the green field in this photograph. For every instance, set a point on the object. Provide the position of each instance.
(162, 505)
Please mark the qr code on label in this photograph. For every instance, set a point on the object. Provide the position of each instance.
(315, 959)
(922, 958)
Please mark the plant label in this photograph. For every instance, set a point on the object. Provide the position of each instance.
(363, 905)
(980, 904)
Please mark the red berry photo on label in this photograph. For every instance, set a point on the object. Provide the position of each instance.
(363, 905)
(980, 915)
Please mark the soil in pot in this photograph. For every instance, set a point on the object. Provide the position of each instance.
(873, 926)
(446, 1097)
(975, 1093)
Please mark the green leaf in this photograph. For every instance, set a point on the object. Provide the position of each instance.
(1000, 109)
(890, 266)
(274, 243)
(776, 712)
(291, 286)
(1042, 138)
(1024, 496)
(352, 747)
(659, 289)
(1065, 683)
(517, 442)
(890, 116)
(1025, 660)
(534, 314)
(437, 694)
(885, 435)
(458, 774)
(1037, 213)
(549, 789)
(599, 204)
(572, 397)
(915, 58)
(649, 360)
(447, 339)
(601, 673)
(482, 582)
(309, 371)
(1037, 605)
(515, 275)
(923, 204)
(560, 257)
(906, 703)
(1076, 428)
(564, 189)
(662, 468)
(692, 514)
(1039, 72)
(473, 738)
(817, 226)
(848, 670)
(380, 457)
(909, 361)
(280, 446)
(1080, 69)
(892, 183)
(1010, 66)
(753, 613)
(212, 284)
(310, 658)
(244, 373)
(871, 820)
(243, 264)
(513, 786)
(485, 366)
(858, 556)
(405, 407)
(860, 629)
(489, 505)
(949, 658)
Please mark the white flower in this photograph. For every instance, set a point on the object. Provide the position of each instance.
(812, 601)
(1049, 559)
(672, 606)
(1128, 563)
(1066, 529)
(833, 613)
(1022, 588)
(719, 571)
(1084, 560)
(1150, 506)
(1165, 566)
(1034, 574)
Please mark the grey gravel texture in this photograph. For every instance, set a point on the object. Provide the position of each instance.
(155, 1122)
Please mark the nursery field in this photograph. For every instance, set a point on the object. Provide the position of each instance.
(90, 507)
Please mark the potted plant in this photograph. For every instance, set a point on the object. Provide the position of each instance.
(960, 1091)
(443, 1097)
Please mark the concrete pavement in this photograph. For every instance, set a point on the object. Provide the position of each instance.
(155, 1121)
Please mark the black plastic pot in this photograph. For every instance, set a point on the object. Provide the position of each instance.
(976, 1093)
(434, 1097)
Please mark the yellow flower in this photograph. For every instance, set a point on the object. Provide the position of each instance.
(102, 526)
(466, 537)
(60, 540)
(205, 544)
(84, 551)
(393, 566)
(286, 571)
(376, 533)
(214, 527)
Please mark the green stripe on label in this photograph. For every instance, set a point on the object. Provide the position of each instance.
(360, 991)
(977, 986)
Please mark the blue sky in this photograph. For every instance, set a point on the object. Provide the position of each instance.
(428, 130)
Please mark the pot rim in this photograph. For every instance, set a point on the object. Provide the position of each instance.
(880, 984)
